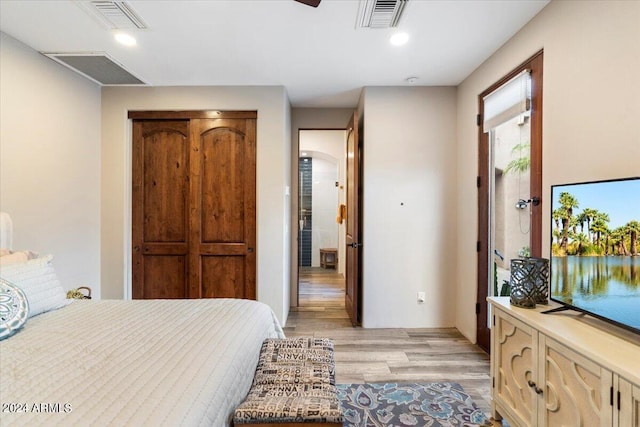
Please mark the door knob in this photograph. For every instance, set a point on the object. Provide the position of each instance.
(354, 245)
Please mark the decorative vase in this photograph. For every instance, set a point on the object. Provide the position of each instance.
(542, 281)
(529, 282)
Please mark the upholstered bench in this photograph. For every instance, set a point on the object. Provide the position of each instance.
(294, 385)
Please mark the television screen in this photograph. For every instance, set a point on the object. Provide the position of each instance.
(595, 249)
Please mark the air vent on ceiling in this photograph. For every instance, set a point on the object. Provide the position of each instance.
(99, 67)
(114, 15)
(380, 13)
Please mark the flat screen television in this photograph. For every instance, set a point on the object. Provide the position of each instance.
(595, 249)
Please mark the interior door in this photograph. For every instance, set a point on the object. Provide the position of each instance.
(353, 235)
(160, 215)
(194, 205)
(222, 256)
(510, 201)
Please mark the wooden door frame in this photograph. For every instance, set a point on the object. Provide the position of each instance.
(295, 214)
(535, 64)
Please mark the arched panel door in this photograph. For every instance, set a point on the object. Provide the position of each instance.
(194, 205)
(160, 213)
(223, 200)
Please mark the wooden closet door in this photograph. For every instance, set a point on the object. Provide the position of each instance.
(194, 204)
(160, 214)
(222, 257)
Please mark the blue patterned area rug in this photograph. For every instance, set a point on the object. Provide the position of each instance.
(408, 404)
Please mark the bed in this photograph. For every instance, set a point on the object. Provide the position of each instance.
(141, 362)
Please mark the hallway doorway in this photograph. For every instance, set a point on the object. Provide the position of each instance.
(321, 231)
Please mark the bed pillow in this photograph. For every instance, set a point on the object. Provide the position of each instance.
(14, 309)
(4, 252)
(39, 281)
(17, 257)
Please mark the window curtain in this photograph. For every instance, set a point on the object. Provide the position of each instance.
(508, 101)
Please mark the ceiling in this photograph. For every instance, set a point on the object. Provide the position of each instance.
(317, 54)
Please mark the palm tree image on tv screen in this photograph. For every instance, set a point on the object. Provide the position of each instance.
(595, 244)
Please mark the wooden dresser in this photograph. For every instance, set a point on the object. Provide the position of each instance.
(563, 369)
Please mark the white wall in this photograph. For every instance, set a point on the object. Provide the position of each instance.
(409, 206)
(332, 143)
(273, 178)
(324, 230)
(307, 118)
(591, 106)
(50, 161)
(286, 213)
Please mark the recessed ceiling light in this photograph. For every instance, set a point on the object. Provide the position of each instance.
(125, 39)
(399, 39)
(412, 79)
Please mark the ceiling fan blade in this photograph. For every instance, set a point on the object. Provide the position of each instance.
(312, 3)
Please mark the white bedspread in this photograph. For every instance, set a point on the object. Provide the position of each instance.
(134, 363)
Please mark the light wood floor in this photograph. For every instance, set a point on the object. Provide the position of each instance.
(386, 355)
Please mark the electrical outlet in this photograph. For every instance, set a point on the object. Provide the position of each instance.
(421, 297)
